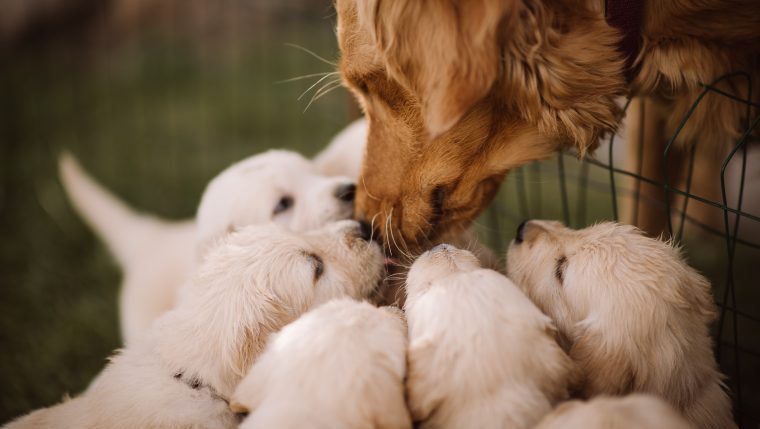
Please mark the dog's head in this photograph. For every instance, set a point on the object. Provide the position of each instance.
(262, 277)
(356, 349)
(622, 301)
(458, 93)
(440, 262)
(276, 186)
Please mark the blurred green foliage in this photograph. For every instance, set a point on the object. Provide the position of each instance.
(152, 121)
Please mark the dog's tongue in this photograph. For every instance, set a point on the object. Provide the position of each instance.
(389, 260)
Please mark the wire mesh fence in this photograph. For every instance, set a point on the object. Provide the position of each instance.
(725, 246)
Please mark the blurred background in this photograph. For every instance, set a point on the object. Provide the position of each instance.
(155, 97)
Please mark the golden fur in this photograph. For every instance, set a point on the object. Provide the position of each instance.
(458, 93)
(631, 312)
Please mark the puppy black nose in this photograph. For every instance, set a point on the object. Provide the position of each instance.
(345, 192)
(365, 231)
(441, 247)
(520, 232)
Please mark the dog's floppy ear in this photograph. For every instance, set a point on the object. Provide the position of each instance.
(446, 52)
(607, 369)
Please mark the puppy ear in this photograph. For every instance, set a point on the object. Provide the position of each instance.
(422, 393)
(238, 408)
(446, 52)
(248, 338)
(606, 369)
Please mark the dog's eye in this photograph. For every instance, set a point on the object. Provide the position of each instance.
(285, 203)
(361, 85)
(319, 266)
(559, 269)
(436, 203)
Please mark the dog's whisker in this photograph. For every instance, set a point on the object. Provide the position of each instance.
(306, 76)
(366, 190)
(312, 86)
(324, 90)
(372, 227)
(312, 53)
(393, 237)
(387, 241)
(372, 230)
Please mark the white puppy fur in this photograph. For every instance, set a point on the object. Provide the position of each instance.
(279, 186)
(636, 411)
(180, 373)
(344, 154)
(340, 366)
(157, 256)
(633, 314)
(480, 353)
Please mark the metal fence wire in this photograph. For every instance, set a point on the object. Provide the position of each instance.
(595, 188)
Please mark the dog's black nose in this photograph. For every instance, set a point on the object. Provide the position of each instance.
(345, 192)
(520, 232)
(365, 231)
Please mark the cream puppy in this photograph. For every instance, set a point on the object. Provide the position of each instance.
(180, 374)
(629, 412)
(278, 186)
(480, 354)
(344, 155)
(340, 366)
(157, 256)
(633, 314)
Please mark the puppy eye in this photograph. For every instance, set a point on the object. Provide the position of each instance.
(559, 269)
(319, 266)
(285, 203)
(242, 415)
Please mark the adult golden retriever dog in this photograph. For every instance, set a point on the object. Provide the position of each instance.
(457, 93)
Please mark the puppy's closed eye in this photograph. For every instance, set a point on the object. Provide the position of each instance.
(559, 269)
(319, 265)
(284, 204)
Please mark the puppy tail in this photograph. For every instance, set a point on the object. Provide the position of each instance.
(119, 226)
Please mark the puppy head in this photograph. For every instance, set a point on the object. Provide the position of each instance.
(624, 302)
(572, 274)
(437, 263)
(356, 349)
(260, 278)
(458, 93)
(276, 186)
